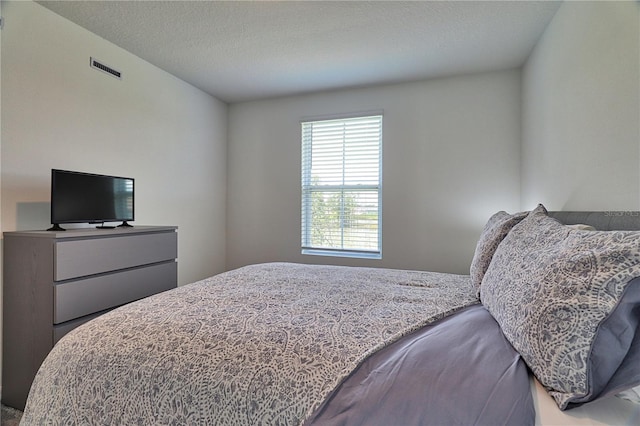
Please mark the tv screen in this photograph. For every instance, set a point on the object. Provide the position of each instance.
(78, 197)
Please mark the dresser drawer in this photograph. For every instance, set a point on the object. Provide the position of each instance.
(75, 299)
(79, 258)
(59, 330)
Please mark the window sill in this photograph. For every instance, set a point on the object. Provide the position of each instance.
(341, 253)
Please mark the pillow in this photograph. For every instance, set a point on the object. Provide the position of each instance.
(493, 233)
(567, 300)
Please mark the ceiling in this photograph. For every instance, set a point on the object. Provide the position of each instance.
(247, 50)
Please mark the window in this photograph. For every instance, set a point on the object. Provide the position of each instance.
(341, 187)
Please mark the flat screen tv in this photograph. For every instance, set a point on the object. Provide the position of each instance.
(78, 197)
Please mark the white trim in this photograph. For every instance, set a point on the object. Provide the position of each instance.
(342, 253)
(342, 116)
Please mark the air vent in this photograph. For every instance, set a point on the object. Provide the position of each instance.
(104, 68)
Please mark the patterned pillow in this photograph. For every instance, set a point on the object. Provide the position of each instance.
(567, 300)
(493, 233)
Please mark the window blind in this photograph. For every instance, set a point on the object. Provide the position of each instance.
(341, 182)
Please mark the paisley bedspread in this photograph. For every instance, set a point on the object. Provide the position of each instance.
(263, 344)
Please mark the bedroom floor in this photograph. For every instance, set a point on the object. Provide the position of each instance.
(10, 416)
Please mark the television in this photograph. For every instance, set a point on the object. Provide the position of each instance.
(78, 197)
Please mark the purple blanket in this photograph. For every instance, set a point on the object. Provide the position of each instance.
(458, 371)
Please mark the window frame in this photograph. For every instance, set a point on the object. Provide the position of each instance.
(307, 189)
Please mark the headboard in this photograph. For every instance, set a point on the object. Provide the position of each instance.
(603, 221)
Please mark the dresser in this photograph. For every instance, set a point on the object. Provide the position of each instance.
(54, 281)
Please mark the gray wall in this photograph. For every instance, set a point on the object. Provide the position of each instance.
(451, 150)
(458, 149)
(57, 112)
(581, 110)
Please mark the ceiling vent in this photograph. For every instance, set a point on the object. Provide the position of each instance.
(104, 68)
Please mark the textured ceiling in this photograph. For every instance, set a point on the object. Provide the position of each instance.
(245, 50)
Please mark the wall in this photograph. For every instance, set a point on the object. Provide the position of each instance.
(60, 113)
(581, 110)
(451, 150)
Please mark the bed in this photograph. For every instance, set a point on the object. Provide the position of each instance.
(544, 330)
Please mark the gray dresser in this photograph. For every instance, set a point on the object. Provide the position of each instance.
(53, 281)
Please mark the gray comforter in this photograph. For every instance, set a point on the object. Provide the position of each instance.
(263, 344)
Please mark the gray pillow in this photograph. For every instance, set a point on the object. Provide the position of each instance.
(497, 227)
(567, 300)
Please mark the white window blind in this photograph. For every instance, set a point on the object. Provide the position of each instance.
(341, 187)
